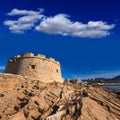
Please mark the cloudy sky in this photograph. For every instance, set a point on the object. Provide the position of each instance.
(84, 35)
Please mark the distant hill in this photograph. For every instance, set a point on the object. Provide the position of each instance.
(106, 80)
(112, 80)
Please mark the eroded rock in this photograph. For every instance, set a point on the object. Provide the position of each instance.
(33, 100)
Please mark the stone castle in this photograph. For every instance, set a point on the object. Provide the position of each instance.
(35, 67)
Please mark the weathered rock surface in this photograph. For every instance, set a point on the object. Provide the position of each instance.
(24, 99)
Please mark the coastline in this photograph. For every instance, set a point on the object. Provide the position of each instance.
(115, 87)
(112, 87)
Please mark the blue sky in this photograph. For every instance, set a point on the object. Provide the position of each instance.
(84, 35)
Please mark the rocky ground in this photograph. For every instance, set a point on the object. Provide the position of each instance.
(25, 99)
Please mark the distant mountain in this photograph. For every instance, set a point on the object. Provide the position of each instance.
(106, 80)
(112, 80)
(117, 78)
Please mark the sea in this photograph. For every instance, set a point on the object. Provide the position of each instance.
(116, 87)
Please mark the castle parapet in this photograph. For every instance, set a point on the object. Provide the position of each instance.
(27, 55)
(31, 55)
(41, 56)
(18, 56)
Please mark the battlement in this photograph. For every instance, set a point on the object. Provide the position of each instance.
(35, 67)
(31, 55)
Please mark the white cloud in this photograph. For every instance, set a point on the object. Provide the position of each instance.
(59, 24)
(24, 12)
(2, 67)
(62, 25)
(25, 22)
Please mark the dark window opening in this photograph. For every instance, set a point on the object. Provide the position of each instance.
(57, 70)
(33, 66)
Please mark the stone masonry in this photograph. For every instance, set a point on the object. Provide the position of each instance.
(35, 67)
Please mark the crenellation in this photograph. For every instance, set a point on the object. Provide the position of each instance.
(31, 55)
(58, 62)
(13, 59)
(41, 56)
(18, 56)
(10, 60)
(51, 59)
(35, 67)
(27, 55)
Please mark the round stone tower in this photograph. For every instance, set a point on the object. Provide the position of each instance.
(35, 67)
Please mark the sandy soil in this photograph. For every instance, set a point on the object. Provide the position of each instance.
(24, 99)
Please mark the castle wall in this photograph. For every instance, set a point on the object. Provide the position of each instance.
(35, 67)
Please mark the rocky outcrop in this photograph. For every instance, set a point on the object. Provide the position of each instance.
(102, 104)
(25, 99)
